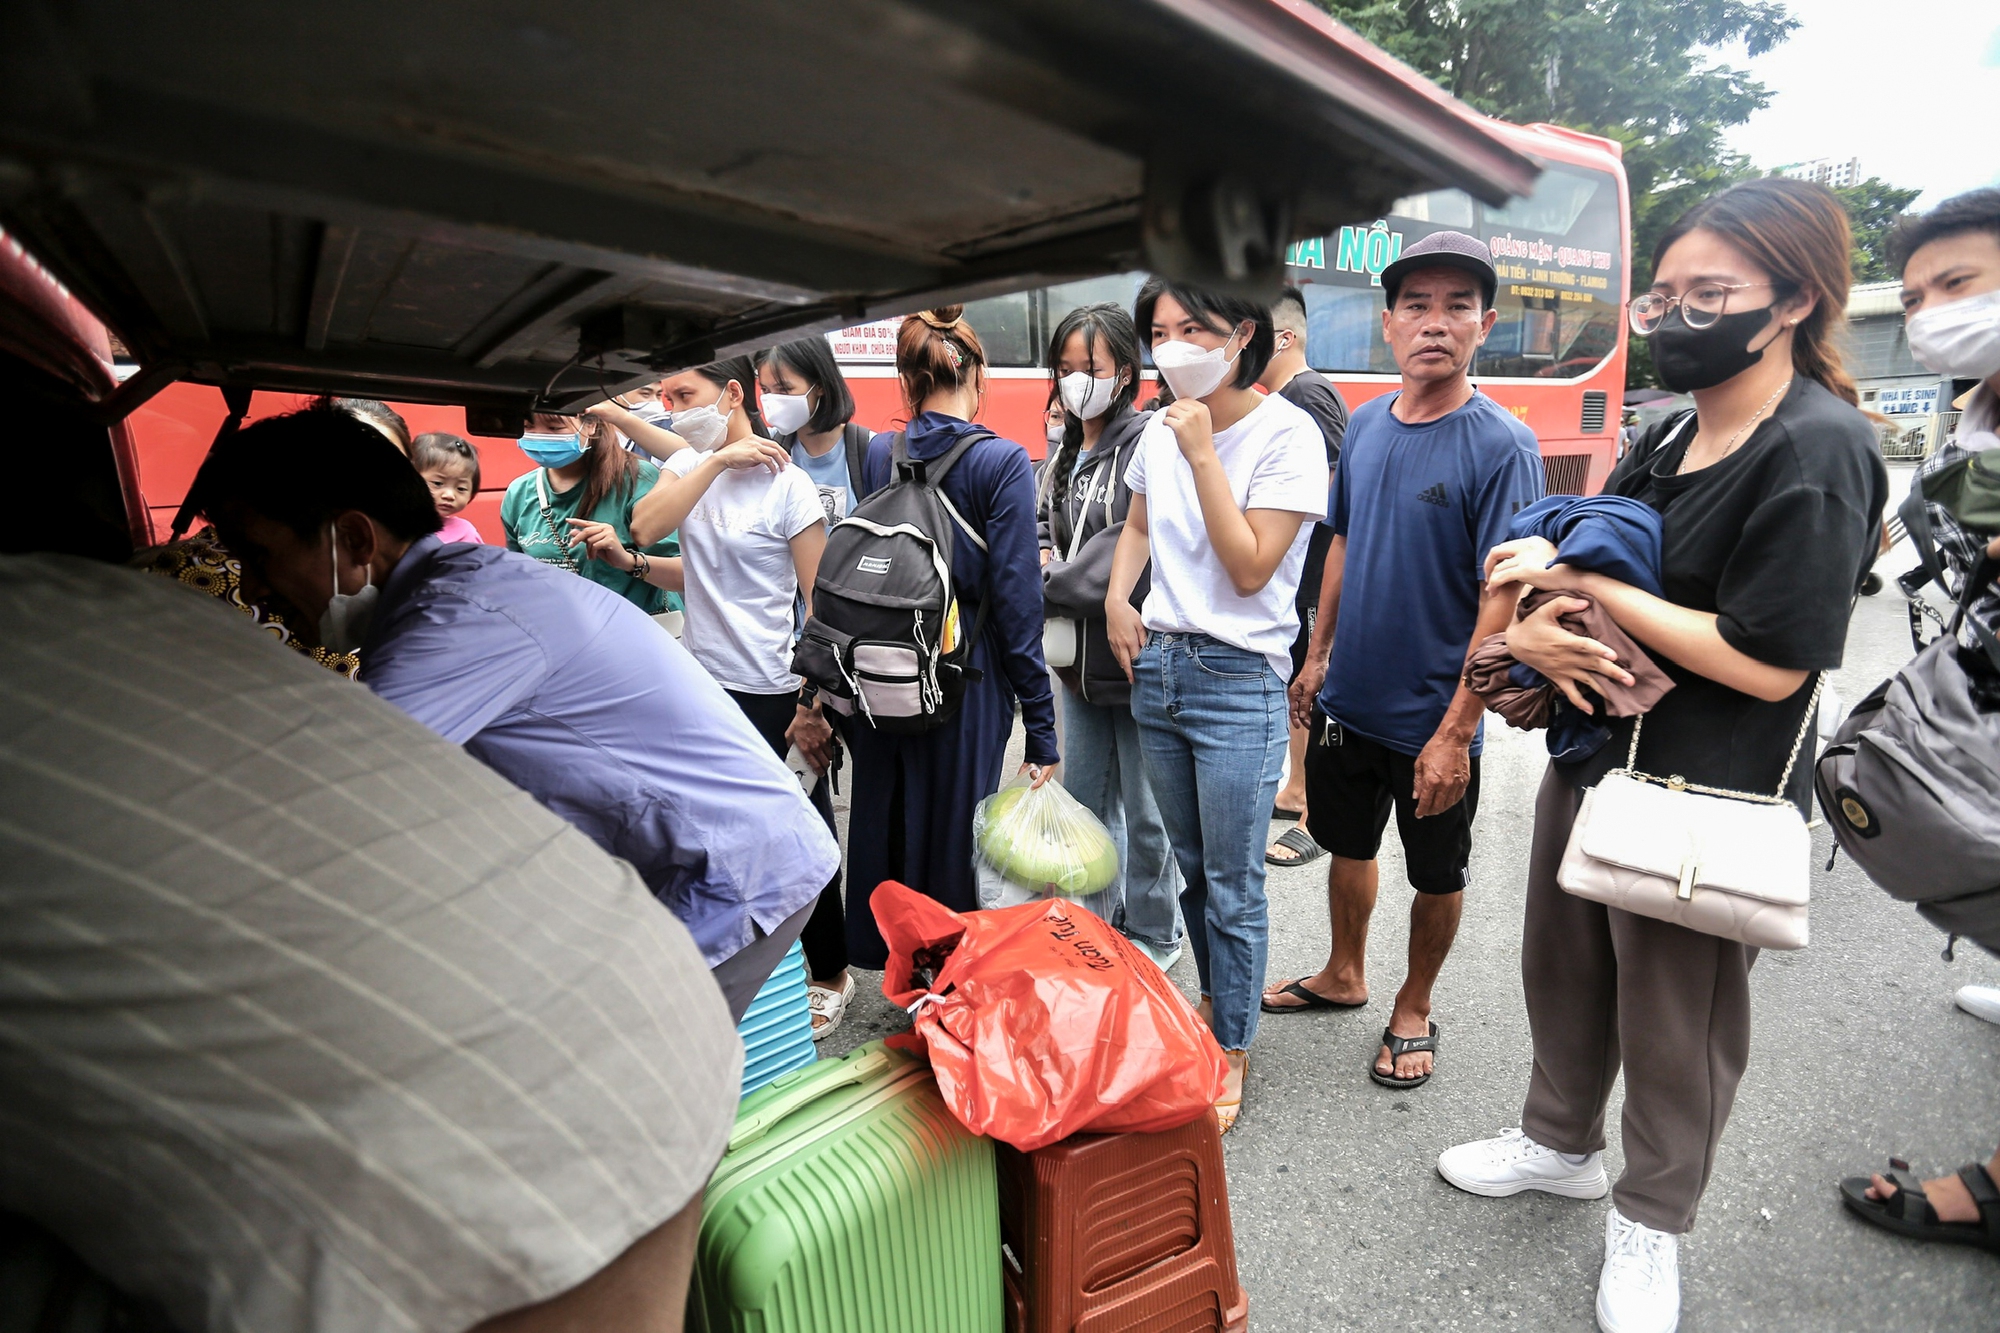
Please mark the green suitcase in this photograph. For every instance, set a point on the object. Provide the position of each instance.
(850, 1200)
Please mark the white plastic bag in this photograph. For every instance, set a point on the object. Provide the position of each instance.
(1031, 842)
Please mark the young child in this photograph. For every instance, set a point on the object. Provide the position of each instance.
(450, 466)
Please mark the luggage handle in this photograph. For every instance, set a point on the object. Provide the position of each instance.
(750, 1128)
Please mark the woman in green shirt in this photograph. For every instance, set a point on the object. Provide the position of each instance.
(587, 479)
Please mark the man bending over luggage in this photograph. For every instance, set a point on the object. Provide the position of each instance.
(310, 1022)
(563, 688)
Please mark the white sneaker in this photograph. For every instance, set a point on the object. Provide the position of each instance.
(1514, 1162)
(1639, 1289)
(1980, 1002)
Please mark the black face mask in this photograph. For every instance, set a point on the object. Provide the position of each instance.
(1690, 359)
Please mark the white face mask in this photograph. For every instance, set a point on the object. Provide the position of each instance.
(1191, 371)
(343, 626)
(1055, 434)
(1085, 395)
(1961, 339)
(788, 412)
(703, 427)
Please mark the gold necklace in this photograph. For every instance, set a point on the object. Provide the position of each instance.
(1741, 431)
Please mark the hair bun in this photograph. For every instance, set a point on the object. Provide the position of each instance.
(944, 319)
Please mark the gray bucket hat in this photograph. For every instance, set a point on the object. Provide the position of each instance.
(1444, 249)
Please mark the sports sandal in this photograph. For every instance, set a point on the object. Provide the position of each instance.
(1403, 1046)
(1298, 841)
(828, 1007)
(1908, 1211)
(1309, 1000)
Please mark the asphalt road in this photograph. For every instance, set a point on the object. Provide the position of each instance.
(1343, 1223)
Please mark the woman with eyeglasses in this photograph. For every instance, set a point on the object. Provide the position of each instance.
(1770, 493)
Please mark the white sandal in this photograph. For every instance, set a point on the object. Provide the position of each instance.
(828, 1007)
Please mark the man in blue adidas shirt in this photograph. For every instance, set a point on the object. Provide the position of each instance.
(1428, 480)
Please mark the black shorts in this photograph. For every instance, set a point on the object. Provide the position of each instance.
(1351, 784)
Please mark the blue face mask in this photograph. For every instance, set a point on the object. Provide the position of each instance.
(551, 449)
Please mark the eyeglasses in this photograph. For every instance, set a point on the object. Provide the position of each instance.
(1700, 307)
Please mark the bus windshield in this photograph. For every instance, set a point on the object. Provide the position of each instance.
(1557, 251)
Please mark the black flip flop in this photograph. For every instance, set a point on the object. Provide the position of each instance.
(1279, 812)
(1299, 841)
(1403, 1046)
(1309, 1001)
(1908, 1211)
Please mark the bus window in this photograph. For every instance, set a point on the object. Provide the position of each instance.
(1451, 209)
(1006, 326)
(1344, 330)
(1560, 197)
(1559, 259)
(1120, 289)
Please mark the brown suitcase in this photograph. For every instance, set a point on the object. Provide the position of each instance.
(1104, 1233)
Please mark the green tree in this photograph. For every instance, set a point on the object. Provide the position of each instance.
(1873, 208)
(1631, 70)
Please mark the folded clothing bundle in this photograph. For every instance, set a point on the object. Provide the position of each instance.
(1607, 534)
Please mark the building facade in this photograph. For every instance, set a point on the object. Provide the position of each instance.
(1913, 406)
(1832, 172)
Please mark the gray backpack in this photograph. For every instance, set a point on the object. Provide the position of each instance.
(1910, 782)
(885, 642)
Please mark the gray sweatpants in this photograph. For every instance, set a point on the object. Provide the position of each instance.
(1605, 986)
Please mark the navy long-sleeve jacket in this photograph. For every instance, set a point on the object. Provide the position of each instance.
(993, 486)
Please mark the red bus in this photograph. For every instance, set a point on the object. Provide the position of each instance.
(1556, 358)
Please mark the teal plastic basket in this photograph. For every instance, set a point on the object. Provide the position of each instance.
(777, 1028)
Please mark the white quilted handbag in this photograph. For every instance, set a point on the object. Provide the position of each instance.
(1721, 862)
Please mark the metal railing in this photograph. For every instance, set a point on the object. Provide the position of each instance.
(1911, 439)
(1906, 439)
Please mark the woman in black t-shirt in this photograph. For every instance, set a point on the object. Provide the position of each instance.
(1770, 494)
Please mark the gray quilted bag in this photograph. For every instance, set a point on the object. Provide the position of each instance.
(1910, 782)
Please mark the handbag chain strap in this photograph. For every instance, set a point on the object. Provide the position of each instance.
(564, 558)
(1678, 783)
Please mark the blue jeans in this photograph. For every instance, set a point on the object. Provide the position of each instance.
(1213, 727)
(1102, 768)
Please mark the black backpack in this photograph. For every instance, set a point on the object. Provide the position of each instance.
(884, 642)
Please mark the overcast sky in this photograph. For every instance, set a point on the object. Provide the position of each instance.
(1911, 87)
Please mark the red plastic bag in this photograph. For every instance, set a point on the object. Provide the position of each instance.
(1041, 1021)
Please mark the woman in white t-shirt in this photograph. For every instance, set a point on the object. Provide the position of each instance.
(1225, 486)
(751, 533)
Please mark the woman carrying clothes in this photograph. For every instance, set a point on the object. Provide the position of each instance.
(575, 510)
(1225, 486)
(1093, 362)
(811, 412)
(1771, 493)
(914, 794)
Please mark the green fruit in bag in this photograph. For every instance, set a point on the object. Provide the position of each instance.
(1046, 841)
